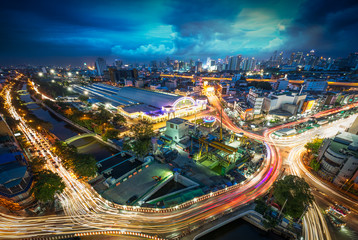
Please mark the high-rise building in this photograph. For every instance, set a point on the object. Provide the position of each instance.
(100, 66)
(118, 63)
(299, 57)
(353, 60)
(248, 64)
(198, 66)
(234, 63)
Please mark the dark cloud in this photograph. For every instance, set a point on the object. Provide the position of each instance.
(148, 29)
(326, 25)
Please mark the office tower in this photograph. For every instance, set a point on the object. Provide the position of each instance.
(100, 66)
(235, 62)
(118, 63)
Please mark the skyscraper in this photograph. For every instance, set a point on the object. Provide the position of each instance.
(234, 63)
(100, 66)
(118, 63)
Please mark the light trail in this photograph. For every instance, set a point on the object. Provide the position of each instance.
(87, 212)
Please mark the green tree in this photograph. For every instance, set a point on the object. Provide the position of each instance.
(315, 165)
(47, 184)
(313, 146)
(119, 119)
(142, 133)
(261, 206)
(110, 133)
(37, 164)
(297, 193)
(103, 115)
(85, 165)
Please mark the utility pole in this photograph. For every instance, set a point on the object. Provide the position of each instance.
(282, 208)
(304, 211)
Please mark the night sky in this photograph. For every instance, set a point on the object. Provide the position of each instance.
(60, 32)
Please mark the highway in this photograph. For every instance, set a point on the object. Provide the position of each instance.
(87, 212)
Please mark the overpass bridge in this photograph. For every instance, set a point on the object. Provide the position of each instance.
(77, 137)
(330, 83)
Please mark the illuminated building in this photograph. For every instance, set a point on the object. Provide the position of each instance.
(152, 106)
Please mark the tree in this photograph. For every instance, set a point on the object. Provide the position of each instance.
(110, 133)
(47, 184)
(85, 165)
(37, 164)
(297, 193)
(261, 206)
(119, 118)
(142, 133)
(313, 146)
(315, 165)
(103, 115)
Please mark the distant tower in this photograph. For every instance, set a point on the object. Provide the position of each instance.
(100, 66)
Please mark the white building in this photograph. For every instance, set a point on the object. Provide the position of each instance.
(255, 100)
(177, 129)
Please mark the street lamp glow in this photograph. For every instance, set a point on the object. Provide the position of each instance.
(40, 74)
(52, 71)
(69, 74)
(69, 89)
(85, 92)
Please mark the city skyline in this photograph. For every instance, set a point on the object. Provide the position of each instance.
(73, 32)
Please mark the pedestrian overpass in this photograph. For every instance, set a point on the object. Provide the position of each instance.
(77, 137)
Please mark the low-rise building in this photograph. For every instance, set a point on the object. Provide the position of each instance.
(15, 177)
(177, 129)
(315, 85)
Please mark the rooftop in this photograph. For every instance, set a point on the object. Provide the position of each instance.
(177, 120)
(345, 141)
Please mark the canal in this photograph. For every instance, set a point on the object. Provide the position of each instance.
(240, 229)
(62, 130)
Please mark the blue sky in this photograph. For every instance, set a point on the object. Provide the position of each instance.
(59, 32)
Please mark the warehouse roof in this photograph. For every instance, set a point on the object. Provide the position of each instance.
(156, 99)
